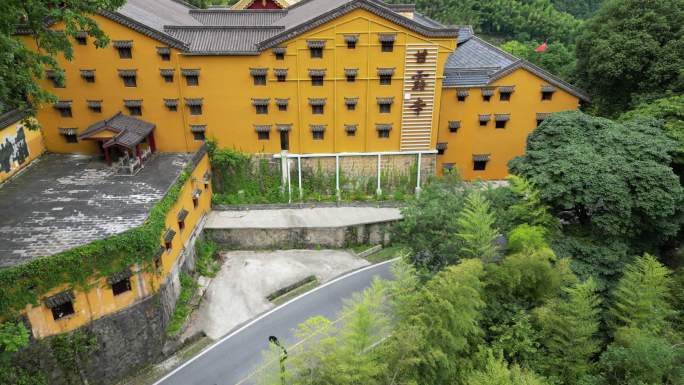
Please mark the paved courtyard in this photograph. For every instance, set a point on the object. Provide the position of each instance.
(239, 291)
(63, 201)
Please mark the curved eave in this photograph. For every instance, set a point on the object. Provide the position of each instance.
(145, 30)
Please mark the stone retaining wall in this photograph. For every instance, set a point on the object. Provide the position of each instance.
(127, 340)
(298, 238)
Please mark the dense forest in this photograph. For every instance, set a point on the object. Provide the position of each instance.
(559, 278)
(570, 274)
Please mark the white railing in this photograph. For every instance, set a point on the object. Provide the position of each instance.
(285, 156)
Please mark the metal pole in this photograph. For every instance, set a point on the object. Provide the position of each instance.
(283, 171)
(418, 189)
(299, 176)
(289, 181)
(337, 177)
(274, 340)
(379, 190)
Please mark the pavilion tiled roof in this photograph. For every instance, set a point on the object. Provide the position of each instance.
(129, 131)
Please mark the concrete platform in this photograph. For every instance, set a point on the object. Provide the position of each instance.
(63, 201)
(318, 217)
(332, 227)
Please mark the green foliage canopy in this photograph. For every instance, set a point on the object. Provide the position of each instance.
(430, 224)
(581, 9)
(476, 229)
(569, 333)
(671, 110)
(632, 50)
(641, 298)
(610, 181)
(559, 58)
(638, 358)
(522, 20)
(21, 66)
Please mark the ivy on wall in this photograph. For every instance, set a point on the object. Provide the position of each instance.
(24, 284)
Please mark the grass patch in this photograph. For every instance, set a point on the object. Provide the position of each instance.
(283, 295)
(385, 254)
(183, 309)
(206, 263)
(360, 248)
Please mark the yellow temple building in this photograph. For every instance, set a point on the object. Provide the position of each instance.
(317, 77)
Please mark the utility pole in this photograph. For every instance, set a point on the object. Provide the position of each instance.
(274, 341)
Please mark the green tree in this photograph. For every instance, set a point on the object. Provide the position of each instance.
(522, 20)
(641, 298)
(518, 341)
(430, 223)
(559, 58)
(581, 9)
(678, 301)
(13, 336)
(671, 110)
(528, 278)
(20, 65)
(530, 209)
(435, 342)
(497, 372)
(569, 333)
(476, 229)
(631, 50)
(638, 358)
(338, 352)
(610, 182)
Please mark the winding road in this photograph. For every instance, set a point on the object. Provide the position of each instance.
(232, 359)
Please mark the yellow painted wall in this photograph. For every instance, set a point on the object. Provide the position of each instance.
(34, 142)
(171, 135)
(227, 88)
(502, 144)
(100, 301)
(195, 214)
(230, 116)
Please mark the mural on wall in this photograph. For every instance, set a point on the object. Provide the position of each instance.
(14, 151)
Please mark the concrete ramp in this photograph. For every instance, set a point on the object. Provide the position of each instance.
(302, 227)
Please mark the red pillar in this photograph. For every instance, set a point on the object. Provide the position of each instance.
(150, 140)
(137, 152)
(108, 157)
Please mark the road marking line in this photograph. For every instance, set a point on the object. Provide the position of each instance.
(222, 340)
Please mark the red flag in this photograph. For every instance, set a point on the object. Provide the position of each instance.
(541, 48)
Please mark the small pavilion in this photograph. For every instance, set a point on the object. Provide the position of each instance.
(123, 134)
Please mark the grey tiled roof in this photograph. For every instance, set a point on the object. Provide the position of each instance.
(226, 32)
(235, 18)
(476, 63)
(222, 40)
(158, 13)
(11, 117)
(476, 54)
